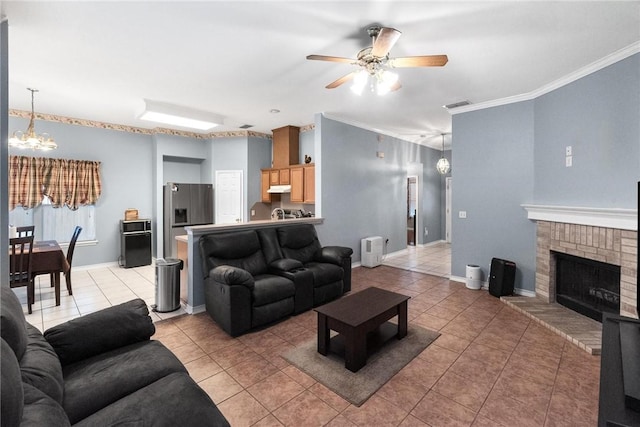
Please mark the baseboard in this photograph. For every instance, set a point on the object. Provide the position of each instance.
(95, 266)
(458, 279)
(435, 242)
(524, 292)
(195, 310)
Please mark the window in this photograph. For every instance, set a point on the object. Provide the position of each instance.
(56, 223)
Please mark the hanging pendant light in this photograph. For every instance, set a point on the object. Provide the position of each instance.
(443, 165)
(30, 139)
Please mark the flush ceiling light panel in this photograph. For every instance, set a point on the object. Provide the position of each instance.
(176, 115)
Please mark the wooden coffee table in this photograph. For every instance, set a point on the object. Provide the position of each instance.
(361, 322)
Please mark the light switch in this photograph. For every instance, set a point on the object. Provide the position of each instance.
(462, 214)
(568, 161)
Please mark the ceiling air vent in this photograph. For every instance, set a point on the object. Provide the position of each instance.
(246, 126)
(456, 105)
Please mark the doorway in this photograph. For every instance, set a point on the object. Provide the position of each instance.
(229, 204)
(412, 207)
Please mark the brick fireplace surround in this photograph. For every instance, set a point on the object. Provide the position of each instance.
(605, 235)
(611, 245)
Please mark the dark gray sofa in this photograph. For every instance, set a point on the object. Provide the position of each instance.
(101, 369)
(258, 276)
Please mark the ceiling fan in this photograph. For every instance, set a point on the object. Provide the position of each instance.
(374, 62)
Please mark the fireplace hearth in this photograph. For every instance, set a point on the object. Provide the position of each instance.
(587, 286)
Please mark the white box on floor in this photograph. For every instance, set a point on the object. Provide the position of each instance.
(371, 251)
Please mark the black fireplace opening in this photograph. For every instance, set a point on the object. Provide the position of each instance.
(587, 286)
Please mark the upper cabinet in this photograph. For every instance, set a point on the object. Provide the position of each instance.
(303, 183)
(265, 181)
(286, 146)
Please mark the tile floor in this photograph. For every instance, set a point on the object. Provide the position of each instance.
(492, 366)
(433, 259)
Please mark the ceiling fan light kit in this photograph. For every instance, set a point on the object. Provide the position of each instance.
(30, 139)
(374, 63)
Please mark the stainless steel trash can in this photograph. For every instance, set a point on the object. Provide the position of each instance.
(167, 284)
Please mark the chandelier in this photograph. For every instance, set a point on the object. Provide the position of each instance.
(30, 139)
(443, 165)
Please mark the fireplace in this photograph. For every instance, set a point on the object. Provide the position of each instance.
(587, 286)
(612, 243)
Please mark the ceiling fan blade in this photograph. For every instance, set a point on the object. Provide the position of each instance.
(385, 41)
(341, 80)
(419, 61)
(330, 58)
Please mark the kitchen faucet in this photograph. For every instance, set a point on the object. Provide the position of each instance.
(275, 212)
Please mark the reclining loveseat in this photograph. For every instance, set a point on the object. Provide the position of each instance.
(258, 276)
(97, 370)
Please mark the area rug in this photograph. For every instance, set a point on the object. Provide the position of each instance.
(357, 387)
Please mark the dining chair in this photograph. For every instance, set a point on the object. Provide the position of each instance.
(25, 231)
(20, 266)
(70, 249)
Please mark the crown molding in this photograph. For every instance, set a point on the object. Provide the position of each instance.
(598, 65)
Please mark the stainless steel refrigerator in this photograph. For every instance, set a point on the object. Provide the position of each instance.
(185, 205)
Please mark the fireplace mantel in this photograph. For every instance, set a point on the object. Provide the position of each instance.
(624, 219)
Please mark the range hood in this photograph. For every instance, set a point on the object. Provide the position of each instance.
(279, 189)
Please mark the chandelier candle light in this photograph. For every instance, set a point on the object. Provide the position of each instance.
(443, 164)
(30, 139)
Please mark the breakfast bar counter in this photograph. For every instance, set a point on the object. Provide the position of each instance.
(193, 292)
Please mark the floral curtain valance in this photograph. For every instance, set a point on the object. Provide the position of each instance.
(69, 183)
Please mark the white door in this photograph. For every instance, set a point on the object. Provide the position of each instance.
(447, 204)
(229, 204)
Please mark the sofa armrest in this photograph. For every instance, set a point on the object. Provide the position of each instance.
(334, 254)
(285, 264)
(230, 275)
(102, 331)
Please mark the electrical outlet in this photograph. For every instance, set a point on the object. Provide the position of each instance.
(253, 212)
(426, 232)
(386, 242)
(462, 214)
(568, 161)
(568, 150)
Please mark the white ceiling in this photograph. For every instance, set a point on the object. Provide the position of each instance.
(99, 60)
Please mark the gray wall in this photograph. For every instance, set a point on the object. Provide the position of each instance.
(4, 166)
(599, 116)
(492, 176)
(514, 154)
(126, 176)
(363, 195)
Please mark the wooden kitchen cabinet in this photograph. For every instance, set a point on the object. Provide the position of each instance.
(310, 184)
(297, 184)
(285, 176)
(274, 177)
(265, 182)
(303, 184)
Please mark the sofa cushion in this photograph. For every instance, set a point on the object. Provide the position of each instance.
(324, 273)
(239, 249)
(118, 326)
(12, 322)
(40, 366)
(299, 242)
(41, 410)
(94, 383)
(11, 393)
(270, 289)
(174, 400)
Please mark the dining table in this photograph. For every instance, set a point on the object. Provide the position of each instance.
(48, 258)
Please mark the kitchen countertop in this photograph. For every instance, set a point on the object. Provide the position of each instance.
(203, 229)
